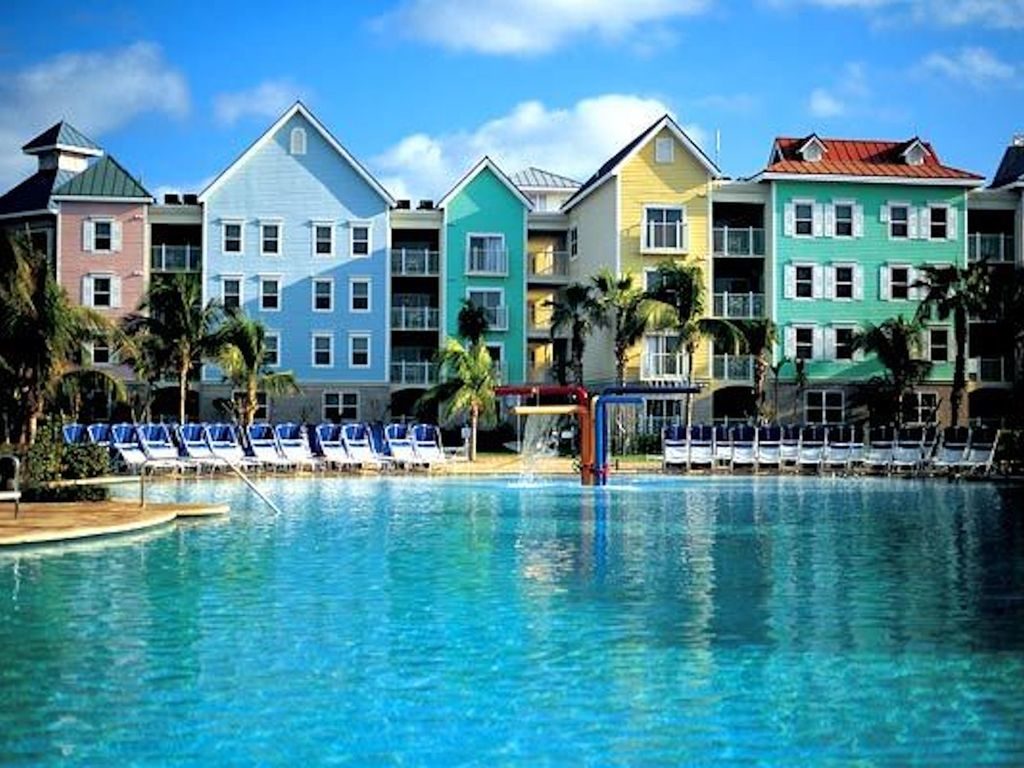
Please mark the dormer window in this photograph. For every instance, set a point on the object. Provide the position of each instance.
(915, 154)
(812, 150)
(297, 145)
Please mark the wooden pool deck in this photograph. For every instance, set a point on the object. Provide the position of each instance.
(40, 523)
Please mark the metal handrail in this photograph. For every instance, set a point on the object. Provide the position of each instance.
(234, 467)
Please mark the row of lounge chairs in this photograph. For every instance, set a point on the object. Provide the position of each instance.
(287, 446)
(844, 448)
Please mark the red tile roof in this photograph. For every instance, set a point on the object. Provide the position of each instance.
(855, 157)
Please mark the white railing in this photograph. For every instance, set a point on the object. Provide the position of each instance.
(665, 236)
(549, 265)
(995, 248)
(738, 306)
(663, 365)
(487, 261)
(738, 241)
(992, 370)
(538, 319)
(176, 258)
(414, 262)
(732, 367)
(411, 373)
(415, 318)
(497, 318)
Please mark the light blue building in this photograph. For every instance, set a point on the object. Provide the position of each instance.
(297, 234)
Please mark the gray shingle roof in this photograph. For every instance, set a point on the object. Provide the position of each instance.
(540, 179)
(1011, 167)
(33, 194)
(63, 133)
(104, 178)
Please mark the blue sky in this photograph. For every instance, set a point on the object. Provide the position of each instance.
(419, 89)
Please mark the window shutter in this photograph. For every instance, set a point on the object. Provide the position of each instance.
(913, 231)
(858, 221)
(830, 220)
(115, 236)
(115, 292)
(685, 236)
(789, 220)
(952, 214)
(883, 214)
(926, 343)
(817, 220)
(913, 292)
(830, 343)
(789, 289)
(926, 223)
(858, 282)
(883, 283)
(88, 238)
(858, 352)
(789, 347)
(87, 291)
(830, 282)
(819, 343)
(816, 282)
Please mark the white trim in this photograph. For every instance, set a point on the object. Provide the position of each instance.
(660, 143)
(141, 200)
(272, 222)
(360, 224)
(278, 280)
(341, 394)
(483, 163)
(831, 350)
(313, 295)
(906, 222)
(330, 226)
(831, 276)
(810, 203)
(504, 249)
(912, 181)
(297, 148)
(352, 336)
(224, 223)
(852, 204)
(277, 335)
(369, 295)
(814, 328)
(26, 214)
(313, 336)
(682, 246)
(492, 289)
(241, 288)
(950, 213)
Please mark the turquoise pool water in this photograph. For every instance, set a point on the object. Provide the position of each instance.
(409, 621)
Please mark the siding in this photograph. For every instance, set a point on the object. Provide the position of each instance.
(319, 186)
(594, 219)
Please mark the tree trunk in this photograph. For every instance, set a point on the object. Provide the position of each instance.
(251, 404)
(759, 376)
(620, 365)
(690, 350)
(182, 392)
(474, 417)
(959, 367)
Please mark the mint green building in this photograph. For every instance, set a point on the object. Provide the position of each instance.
(853, 222)
(484, 247)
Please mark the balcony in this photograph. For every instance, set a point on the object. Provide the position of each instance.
(414, 262)
(413, 373)
(497, 318)
(487, 261)
(176, 258)
(995, 248)
(738, 306)
(541, 374)
(732, 368)
(549, 266)
(663, 366)
(738, 241)
(415, 318)
(990, 370)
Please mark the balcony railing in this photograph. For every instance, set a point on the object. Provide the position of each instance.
(417, 374)
(732, 367)
(663, 366)
(738, 241)
(497, 318)
(176, 258)
(538, 319)
(414, 262)
(549, 266)
(738, 306)
(487, 261)
(991, 370)
(540, 374)
(415, 318)
(995, 248)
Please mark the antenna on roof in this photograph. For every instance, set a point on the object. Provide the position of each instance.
(718, 146)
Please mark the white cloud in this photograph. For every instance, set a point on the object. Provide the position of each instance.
(823, 104)
(996, 14)
(977, 66)
(849, 94)
(268, 99)
(572, 141)
(96, 91)
(529, 26)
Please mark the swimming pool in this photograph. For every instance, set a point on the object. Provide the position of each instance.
(785, 620)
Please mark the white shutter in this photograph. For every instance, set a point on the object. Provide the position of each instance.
(973, 366)
(87, 291)
(88, 236)
(913, 292)
(858, 221)
(115, 236)
(858, 282)
(883, 214)
(883, 283)
(816, 280)
(685, 236)
(830, 220)
(789, 346)
(926, 343)
(830, 282)
(926, 223)
(830, 343)
(817, 220)
(789, 287)
(913, 231)
(115, 292)
(952, 214)
(789, 220)
(819, 343)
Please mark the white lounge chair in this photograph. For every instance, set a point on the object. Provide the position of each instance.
(744, 447)
(265, 449)
(673, 446)
(722, 447)
(331, 448)
(401, 446)
(294, 444)
(951, 452)
(769, 446)
(700, 446)
(126, 448)
(160, 450)
(812, 447)
(427, 443)
(981, 451)
(356, 439)
(879, 450)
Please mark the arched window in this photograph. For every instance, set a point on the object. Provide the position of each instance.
(298, 141)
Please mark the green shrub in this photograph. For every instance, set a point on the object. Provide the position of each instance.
(49, 460)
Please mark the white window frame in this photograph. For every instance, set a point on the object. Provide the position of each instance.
(341, 394)
(489, 289)
(280, 301)
(664, 150)
(811, 204)
(329, 226)
(313, 294)
(681, 246)
(502, 254)
(224, 224)
(297, 141)
(910, 281)
(352, 227)
(824, 407)
(797, 327)
(280, 237)
(798, 265)
(352, 337)
(110, 222)
(891, 222)
(917, 396)
(314, 336)
(574, 243)
(273, 335)
(834, 342)
(852, 205)
(834, 277)
(110, 290)
(90, 349)
(929, 330)
(241, 289)
(929, 222)
(352, 294)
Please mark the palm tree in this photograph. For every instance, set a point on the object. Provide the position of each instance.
(956, 292)
(575, 307)
(471, 379)
(758, 341)
(472, 322)
(627, 309)
(242, 358)
(173, 311)
(1006, 309)
(41, 335)
(896, 342)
